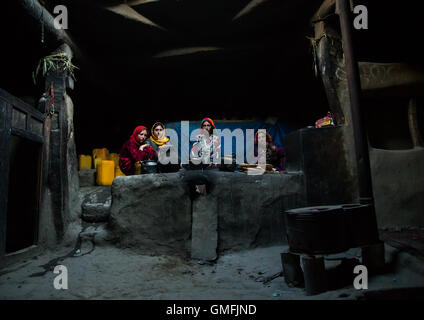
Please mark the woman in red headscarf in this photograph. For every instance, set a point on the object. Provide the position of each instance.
(135, 150)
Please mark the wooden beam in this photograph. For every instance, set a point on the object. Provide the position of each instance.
(327, 8)
(36, 10)
(249, 7)
(185, 51)
(19, 104)
(138, 2)
(389, 75)
(128, 12)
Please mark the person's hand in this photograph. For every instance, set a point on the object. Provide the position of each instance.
(143, 146)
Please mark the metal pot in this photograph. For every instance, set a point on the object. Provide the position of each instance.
(149, 166)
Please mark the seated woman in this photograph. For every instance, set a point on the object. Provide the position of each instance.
(135, 149)
(207, 147)
(274, 154)
(158, 140)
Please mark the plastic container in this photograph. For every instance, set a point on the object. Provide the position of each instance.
(115, 158)
(100, 153)
(84, 162)
(105, 172)
(96, 162)
(137, 168)
(118, 172)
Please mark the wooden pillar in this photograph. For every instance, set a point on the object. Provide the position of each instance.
(5, 131)
(315, 275)
(417, 139)
(292, 272)
(373, 257)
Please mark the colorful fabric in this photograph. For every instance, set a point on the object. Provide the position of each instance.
(154, 139)
(206, 149)
(136, 131)
(208, 120)
(130, 153)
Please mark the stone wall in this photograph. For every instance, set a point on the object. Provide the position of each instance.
(153, 212)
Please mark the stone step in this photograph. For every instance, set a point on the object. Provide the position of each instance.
(96, 203)
(87, 178)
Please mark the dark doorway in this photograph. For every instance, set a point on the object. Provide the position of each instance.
(24, 192)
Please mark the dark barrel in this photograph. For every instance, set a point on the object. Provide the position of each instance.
(317, 230)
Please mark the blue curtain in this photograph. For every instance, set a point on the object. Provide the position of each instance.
(277, 131)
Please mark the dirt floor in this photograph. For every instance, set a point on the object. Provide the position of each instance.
(106, 272)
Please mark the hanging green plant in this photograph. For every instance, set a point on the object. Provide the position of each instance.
(55, 62)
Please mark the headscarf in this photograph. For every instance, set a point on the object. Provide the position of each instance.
(268, 137)
(208, 120)
(159, 142)
(137, 130)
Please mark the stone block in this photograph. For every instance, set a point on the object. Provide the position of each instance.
(96, 204)
(152, 213)
(87, 178)
(204, 238)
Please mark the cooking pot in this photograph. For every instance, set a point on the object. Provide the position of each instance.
(149, 166)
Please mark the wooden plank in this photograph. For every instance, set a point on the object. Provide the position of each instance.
(27, 135)
(327, 8)
(19, 104)
(5, 130)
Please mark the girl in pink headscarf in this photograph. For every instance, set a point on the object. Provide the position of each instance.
(135, 150)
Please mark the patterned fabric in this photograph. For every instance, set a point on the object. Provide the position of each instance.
(204, 147)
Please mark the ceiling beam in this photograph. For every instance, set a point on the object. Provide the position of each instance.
(138, 2)
(249, 7)
(185, 51)
(128, 12)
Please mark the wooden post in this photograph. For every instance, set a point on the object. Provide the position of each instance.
(373, 257)
(315, 275)
(292, 272)
(5, 131)
(417, 139)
